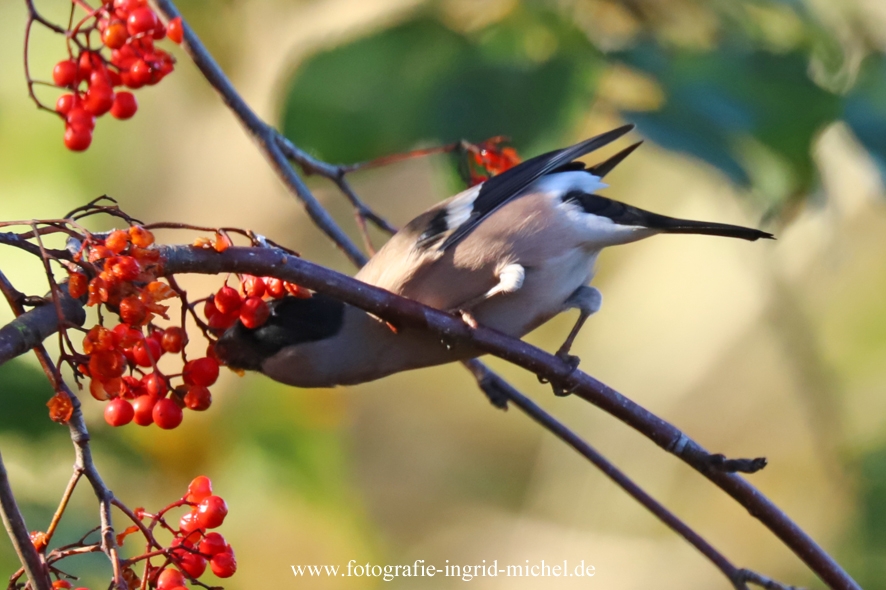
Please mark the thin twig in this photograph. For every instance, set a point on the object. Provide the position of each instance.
(18, 534)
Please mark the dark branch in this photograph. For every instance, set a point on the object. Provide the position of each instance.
(18, 534)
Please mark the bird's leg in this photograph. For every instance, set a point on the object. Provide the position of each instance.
(588, 301)
(510, 279)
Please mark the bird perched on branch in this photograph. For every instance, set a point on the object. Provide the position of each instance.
(510, 254)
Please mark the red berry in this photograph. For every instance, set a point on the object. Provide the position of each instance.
(86, 63)
(188, 522)
(223, 564)
(223, 321)
(192, 564)
(198, 398)
(115, 34)
(145, 352)
(212, 544)
(77, 140)
(77, 285)
(124, 106)
(199, 489)
(175, 30)
(117, 241)
(99, 99)
(105, 365)
(211, 512)
(227, 300)
(275, 287)
(64, 73)
(132, 387)
(252, 286)
(254, 312)
(119, 412)
(170, 578)
(79, 118)
(167, 415)
(139, 74)
(141, 20)
(61, 585)
(133, 312)
(202, 371)
(124, 7)
(65, 103)
(173, 339)
(125, 268)
(140, 236)
(143, 406)
(155, 385)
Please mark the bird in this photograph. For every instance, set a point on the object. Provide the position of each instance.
(510, 253)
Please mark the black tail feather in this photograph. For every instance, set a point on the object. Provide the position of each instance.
(606, 166)
(671, 225)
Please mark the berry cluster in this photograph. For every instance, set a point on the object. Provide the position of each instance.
(122, 362)
(128, 29)
(191, 551)
(248, 304)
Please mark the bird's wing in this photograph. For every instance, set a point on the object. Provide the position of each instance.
(500, 189)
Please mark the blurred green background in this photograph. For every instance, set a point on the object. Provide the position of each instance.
(765, 112)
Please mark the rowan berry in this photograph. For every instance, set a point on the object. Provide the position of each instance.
(155, 385)
(275, 287)
(119, 412)
(77, 139)
(141, 20)
(192, 564)
(227, 300)
(146, 352)
(223, 565)
(254, 312)
(175, 30)
(144, 410)
(97, 390)
(125, 268)
(202, 371)
(169, 578)
(133, 312)
(106, 364)
(188, 522)
(211, 512)
(173, 339)
(124, 106)
(212, 544)
(61, 585)
(252, 286)
(198, 398)
(115, 34)
(140, 236)
(199, 489)
(167, 415)
(132, 387)
(65, 103)
(64, 73)
(139, 74)
(77, 285)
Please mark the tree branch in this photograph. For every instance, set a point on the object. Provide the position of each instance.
(18, 534)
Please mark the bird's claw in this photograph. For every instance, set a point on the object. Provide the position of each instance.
(572, 361)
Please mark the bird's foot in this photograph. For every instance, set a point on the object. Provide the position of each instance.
(572, 361)
(468, 318)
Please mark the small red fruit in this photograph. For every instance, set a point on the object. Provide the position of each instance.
(124, 106)
(119, 412)
(170, 578)
(188, 522)
(202, 371)
(275, 287)
(175, 30)
(117, 241)
(140, 236)
(61, 585)
(141, 20)
(199, 489)
(173, 339)
(133, 312)
(198, 398)
(77, 139)
(155, 385)
(254, 312)
(252, 286)
(192, 564)
(167, 415)
(64, 73)
(115, 34)
(227, 300)
(143, 406)
(223, 564)
(65, 103)
(125, 268)
(139, 74)
(212, 544)
(211, 512)
(77, 285)
(147, 352)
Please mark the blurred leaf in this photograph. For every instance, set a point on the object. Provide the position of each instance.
(865, 109)
(867, 549)
(23, 397)
(720, 103)
(528, 77)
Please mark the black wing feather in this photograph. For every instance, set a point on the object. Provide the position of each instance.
(498, 190)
